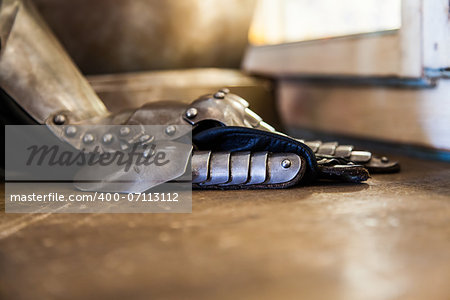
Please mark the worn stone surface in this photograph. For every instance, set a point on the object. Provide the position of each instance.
(387, 239)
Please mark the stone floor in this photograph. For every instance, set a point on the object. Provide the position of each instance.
(386, 239)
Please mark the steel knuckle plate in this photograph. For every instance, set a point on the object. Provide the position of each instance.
(278, 173)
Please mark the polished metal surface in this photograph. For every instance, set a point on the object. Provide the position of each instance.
(314, 145)
(71, 131)
(254, 119)
(283, 167)
(200, 166)
(343, 151)
(160, 113)
(219, 171)
(239, 99)
(334, 150)
(124, 131)
(228, 109)
(361, 156)
(240, 166)
(286, 163)
(170, 130)
(258, 168)
(146, 138)
(38, 74)
(223, 169)
(88, 138)
(232, 110)
(59, 119)
(191, 113)
(8, 12)
(113, 177)
(239, 169)
(107, 138)
(327, 148)
(219, 95)
(263, 125)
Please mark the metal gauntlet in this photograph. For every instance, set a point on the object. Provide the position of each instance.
(233, 148)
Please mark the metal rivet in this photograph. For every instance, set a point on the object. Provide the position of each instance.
(124, 131)
(88, 138)
(108, 138)
(384, 159)
(170, 130)
(219, 95)
(191, 113)
(59, 119)
(71, 131)
(224, 90)
(286, 163)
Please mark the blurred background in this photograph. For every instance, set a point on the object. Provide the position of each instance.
(374, 70)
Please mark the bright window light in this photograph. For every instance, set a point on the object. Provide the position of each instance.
(284, 21)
